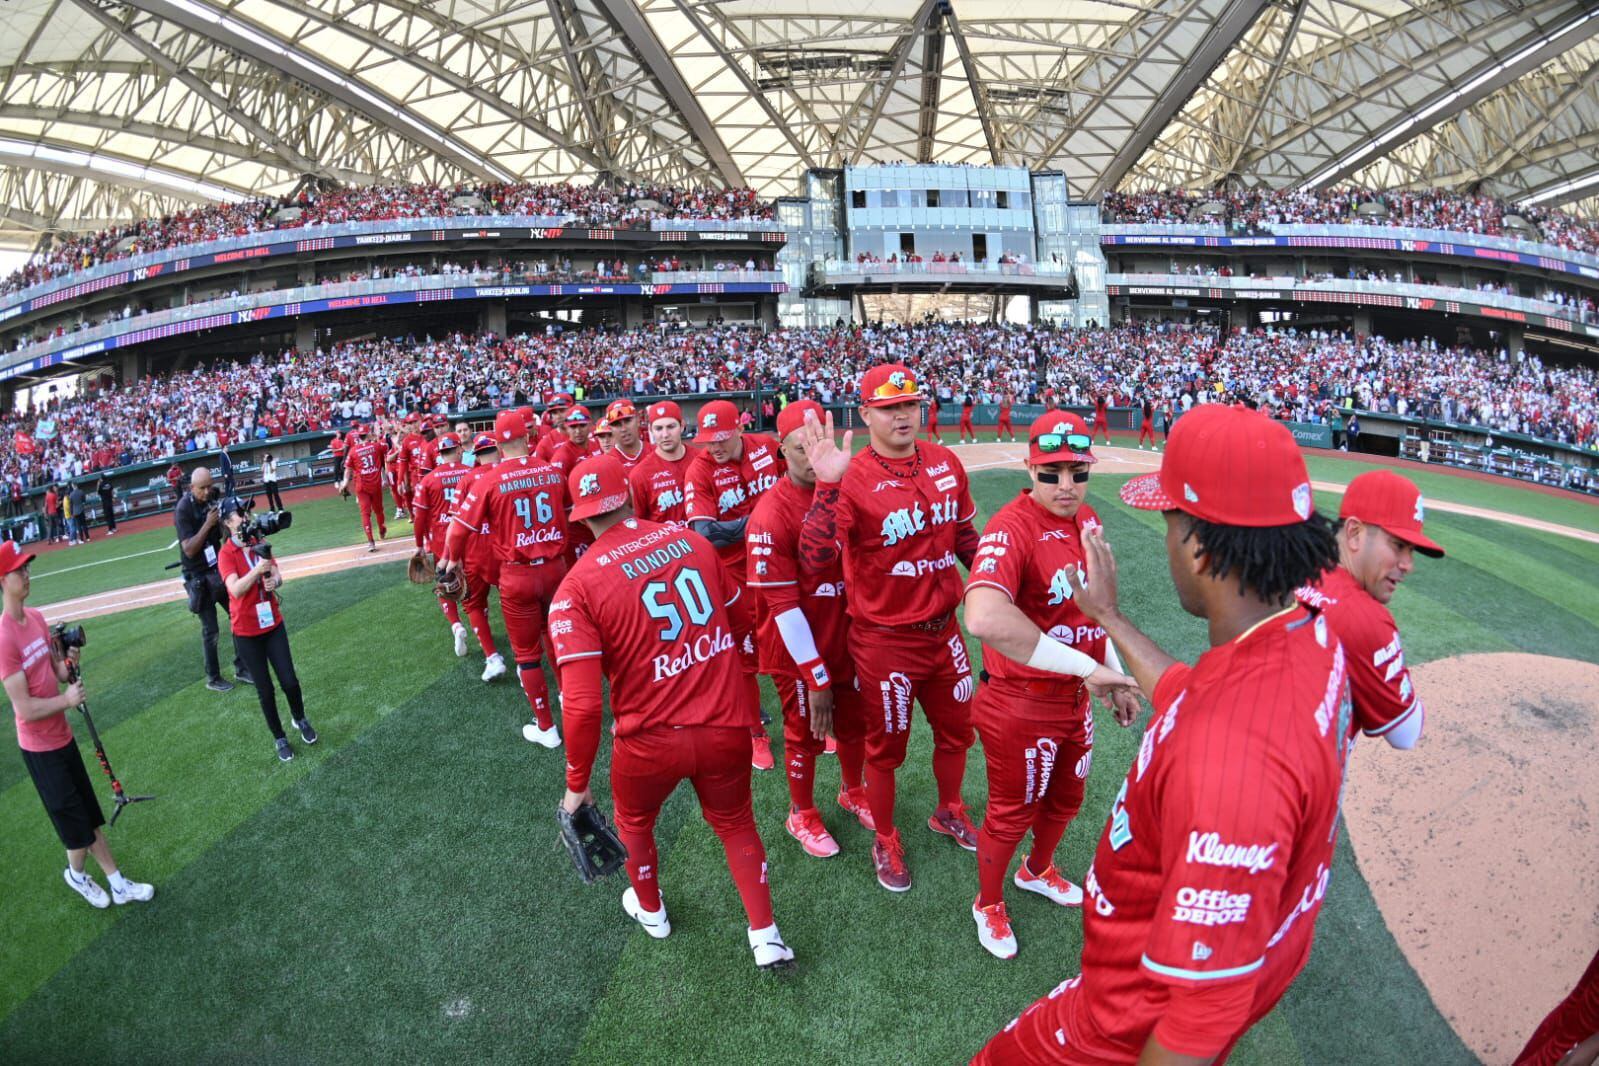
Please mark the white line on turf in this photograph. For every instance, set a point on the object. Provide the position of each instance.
(102, 562)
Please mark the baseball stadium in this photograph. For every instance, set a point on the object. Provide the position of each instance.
(773, 531)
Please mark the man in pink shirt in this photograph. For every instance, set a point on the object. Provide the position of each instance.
(33, 673)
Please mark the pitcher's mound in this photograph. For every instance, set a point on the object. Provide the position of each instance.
(1480, 845)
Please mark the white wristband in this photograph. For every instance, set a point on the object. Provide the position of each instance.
(1050, 654)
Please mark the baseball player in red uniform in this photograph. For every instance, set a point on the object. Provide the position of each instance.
(802, 641)
(1569, 1034)
(364, 464)
(1041, 654)
(657, 479)
(932, 419)
(1379, 532)
(602, 436)
(1146, 422)
(577, 443)
(650, 608)
(902, 512)
(431, 506)
(555, 425)
(522, 504)
(481, 562)
(966, 427)
(1204, 892)
(1003, 427)
(337, 446)
(1102, 416)
(720, 488)
(622, 417)
(405, 473)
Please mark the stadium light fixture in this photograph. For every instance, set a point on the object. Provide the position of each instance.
(112, 167)
(315, 71)
(1564, 189)
(1403, 131)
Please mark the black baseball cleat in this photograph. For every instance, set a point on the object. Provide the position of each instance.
(307, 734)
(217, 684)
(244, 677)
(285, 753)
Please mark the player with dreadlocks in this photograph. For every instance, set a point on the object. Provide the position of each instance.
(1203, 895)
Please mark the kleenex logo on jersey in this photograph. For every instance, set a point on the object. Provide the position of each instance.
(1209, 849)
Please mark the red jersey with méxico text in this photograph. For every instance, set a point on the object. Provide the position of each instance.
(631, 462)
(1026, 553)
(418, 460)
(899, 530)
(657, 486)
(565, 455)
(522, 502)
(1220, 843)
(433, 501)
(364, 464)
(547, 444)
(1379, 680)
(652, 602)
(772, 540)
(726, 492)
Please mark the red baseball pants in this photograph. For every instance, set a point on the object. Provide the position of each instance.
(893, 669)
(1038, 752)
(371, 502)
(800, 748)
(525, 595)
(1146, 428)
(480, 577)
(645, 769)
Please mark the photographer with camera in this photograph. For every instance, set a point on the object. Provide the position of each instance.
(252, 577)
(199, 529)
(33, 669)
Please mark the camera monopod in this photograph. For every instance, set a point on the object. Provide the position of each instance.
(122, 799)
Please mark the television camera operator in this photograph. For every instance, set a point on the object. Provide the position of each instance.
(34, 664)
(199, 526)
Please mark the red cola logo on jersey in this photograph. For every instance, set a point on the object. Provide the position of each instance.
(692, 653)
(907, 522)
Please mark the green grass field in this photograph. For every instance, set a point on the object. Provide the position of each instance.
(396, 892)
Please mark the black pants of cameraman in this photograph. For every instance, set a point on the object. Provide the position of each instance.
(274, 500)
(210, 629)
(272, 647)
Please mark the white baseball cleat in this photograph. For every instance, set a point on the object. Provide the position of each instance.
(493, 667)
(1049, 884)
(655, 923)
(549, 738)
(770, 951)
(87, 887)
(132, 892)
(994, 931)
(460, 640)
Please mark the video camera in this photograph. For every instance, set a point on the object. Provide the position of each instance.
(257, 527)
(67, 637)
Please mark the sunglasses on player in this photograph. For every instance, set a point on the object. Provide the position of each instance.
(905, 385)
(1052, 477)
(1058, 442)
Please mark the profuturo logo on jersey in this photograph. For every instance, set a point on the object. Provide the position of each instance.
(906, 568)
(691, 653)
(896, 702)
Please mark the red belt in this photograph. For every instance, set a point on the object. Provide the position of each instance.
(1062, 689)
(932, 625)
(524, 562)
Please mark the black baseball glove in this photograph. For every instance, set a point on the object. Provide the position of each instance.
(594, 846)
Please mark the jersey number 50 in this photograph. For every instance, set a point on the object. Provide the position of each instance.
(691, 594)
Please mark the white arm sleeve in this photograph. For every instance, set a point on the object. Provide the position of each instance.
(1405, 734)
(1050, 654)
(1113, 660)
(797, 637)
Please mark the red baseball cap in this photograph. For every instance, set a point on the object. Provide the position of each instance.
(889, 383)
(1231, 466)
(510, 425)
(449, 442)
(792, 417)
(664, 409)
(619, 410)
(11, 558)
(577, 415)
(484, 443)
(1059, 437)
(560, 399)
(412, 417)
(602, 428)
(1392, 501)
(598, 485)
(718, 422)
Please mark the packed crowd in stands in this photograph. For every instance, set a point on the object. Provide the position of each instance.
(1307, 377)
(584, 205)
(1258, 209)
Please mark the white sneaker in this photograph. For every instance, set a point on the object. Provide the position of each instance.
(549, 738)
(994, 931)
(770, 951)
(460, 640)
(655, 923)
(493, 667)
(399, 513)
(88, 888)
(1051, 885)
(132, 892)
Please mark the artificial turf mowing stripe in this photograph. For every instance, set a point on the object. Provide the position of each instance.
(405, 902)
(1559, 581)
(212, 770)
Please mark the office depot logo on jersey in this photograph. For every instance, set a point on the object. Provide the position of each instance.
(1208, 849)
(1209, 906)
(702, 649)
(906, 568)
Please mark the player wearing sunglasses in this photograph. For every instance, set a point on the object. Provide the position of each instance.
(1041, 658)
